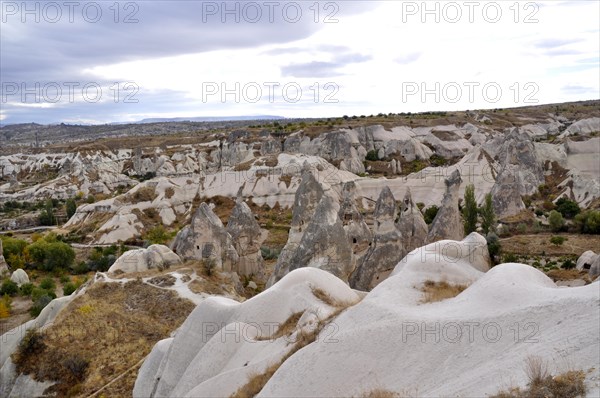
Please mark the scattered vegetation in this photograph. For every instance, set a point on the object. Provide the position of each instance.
(438, 291)
(488, 217)
(556, 220)
(99, 335)
(542, 384)
(558, 240)
(587, 222)
(430, 213)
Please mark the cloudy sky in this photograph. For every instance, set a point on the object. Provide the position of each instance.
(98, 62)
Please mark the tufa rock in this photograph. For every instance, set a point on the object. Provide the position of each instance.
(154, 257)
(447, 223)
(19, 277)
(386, 249)
(357, 230)
(247, 239)
(411, 224)
(585, 261)
(206, 239)
(306, 199)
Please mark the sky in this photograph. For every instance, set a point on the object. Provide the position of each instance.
(106, 61)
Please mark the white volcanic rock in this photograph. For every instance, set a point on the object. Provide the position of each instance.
(411, 225)
(583, 127)
(357, 230)
(447, 223)
(386, 249)
(19, 276)
(585, 261)
(390, 340)
(3, 265)
(595, 268)
(206, 239)
(223, 342)
(247, 239)
(154, 257)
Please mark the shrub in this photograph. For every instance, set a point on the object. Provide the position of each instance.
(26, 289)
(9, 288)
(51, 255)
(372, 156)
(568, 264)
(31, 344)
(509, 258)
(557, 240)
(567, 208)
(48, 284)
(430, 213)
(77, 366)
(100, 259)
(521, 228)
(38, 292)
(268, 253)
(70, 207)
(556, 221)
(47, 215)
(69, 288)
(13, 251)
(493, 245)
(5, 307)
(588, 222)
(40, 304)
(157, 235)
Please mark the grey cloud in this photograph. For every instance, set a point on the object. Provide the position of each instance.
(323, 68)
(577, 89)
(553, 43)
(408, 58)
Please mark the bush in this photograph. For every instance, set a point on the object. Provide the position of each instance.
(372, 156)
(48, 284)
(5, 307)
(157, 235)
(26, 289)
(70, 207)
(493, 245)
(430, 213)
(69, 288)
(568, 264)
(557, 240)
(9, 288)
(100, 259)
(40, 304)
(38, 292)
(510, 258)
(588, 222)
(77, 366)
(556, 221)
(31, 344)
(51, 255)
(13, 251)
(268, 253)
(567, 208)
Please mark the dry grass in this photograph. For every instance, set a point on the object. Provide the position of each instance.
(542, 384)
(438, 291)
(103, 333)
(568, 275)
(304, 337)
(144, 194)
(169, 193)
(537, 244)
(284, 329)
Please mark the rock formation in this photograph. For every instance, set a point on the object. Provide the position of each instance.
(386, 249)
(447, 223)
(595, 267)
(154, 257)
(19, 276)
(506, 197)
(324, 243)
(307, 197)
(411, 224)
(247, 239)
(206, 239)
(3, 265)
(585, 261)
(357, 230)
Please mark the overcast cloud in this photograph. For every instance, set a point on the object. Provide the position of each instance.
(295, 59)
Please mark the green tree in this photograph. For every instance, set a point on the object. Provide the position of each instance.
(567, 208)
(51, 256)
(372, 155)
(47, 215)
(470, 210)
(588, 222)
(430, 213)
(556, 221)
(13, 250)
(71, 207)
(488, 216)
